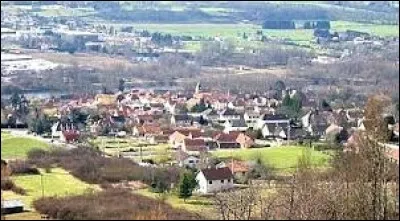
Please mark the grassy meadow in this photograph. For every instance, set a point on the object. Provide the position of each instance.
(18, 147)
(56, 183)
(281, 158)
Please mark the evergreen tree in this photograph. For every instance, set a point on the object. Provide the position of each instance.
(186, 185)
(15, 99)
(286, 101)
(121, 85)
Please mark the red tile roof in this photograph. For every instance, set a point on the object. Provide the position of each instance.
(238, 166)
(195, 145)
(230, 137)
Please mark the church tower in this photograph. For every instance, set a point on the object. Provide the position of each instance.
(198, 88)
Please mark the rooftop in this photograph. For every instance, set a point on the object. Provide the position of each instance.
(217, 173)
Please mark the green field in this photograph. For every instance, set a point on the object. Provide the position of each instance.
(203, 30)
(18, 147)
(283, 158)
(57, 183)
(375, 29)
(56, 12)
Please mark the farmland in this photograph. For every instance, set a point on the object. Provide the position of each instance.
(281, 158)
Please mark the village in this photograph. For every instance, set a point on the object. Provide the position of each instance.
(186, 129)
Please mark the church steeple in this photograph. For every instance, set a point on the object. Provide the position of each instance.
(198, 87)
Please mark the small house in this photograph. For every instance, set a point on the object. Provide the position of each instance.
(186, 160)
(235, 125)
(194, 146)
(233, 139)
(213, 180)
(181, 120)
(239, 168)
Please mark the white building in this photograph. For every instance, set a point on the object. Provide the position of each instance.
(214, 180)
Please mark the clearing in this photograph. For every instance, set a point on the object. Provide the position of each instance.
(281, 158)
(58, 182)
(18, 147)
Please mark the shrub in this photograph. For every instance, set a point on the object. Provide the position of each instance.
(91, 166)
(110, 204)
(22, 167)
(8, 184)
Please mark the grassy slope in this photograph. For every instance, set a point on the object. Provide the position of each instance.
(59, 182)
(18, 147)
(279, 157)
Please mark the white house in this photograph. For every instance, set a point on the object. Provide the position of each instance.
(228, 114)
(214, 180)
(272, 119)
(235, 125)
(186, 160)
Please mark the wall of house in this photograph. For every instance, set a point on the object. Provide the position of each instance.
(205, 187)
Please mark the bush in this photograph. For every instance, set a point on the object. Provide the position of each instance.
(110, 204)
(91, 166)
(22, 167)
(10, 185)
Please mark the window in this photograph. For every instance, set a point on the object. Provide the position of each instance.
(222, 181)
(229, 180)
(191, 161)
(210, 182)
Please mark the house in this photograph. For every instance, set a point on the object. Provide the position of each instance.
(186, 160)
(251, 117)
(156, 139)
(213, 180)
(275, 131)
(272, 119)
(145, 119)
(194, 146)
(239, 168)
(147, 129)
(233, 139)
(181, 120)
(178, 136)
(105, 99)
(235, 125)
(228, 114)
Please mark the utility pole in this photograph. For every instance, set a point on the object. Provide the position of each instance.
(41, 183)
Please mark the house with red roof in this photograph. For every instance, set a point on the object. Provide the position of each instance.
(194, 146)
(147, 129)
(180, 134)
(233, 139)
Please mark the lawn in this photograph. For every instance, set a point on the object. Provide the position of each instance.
(282, 158)
(196, 204)
(18, 147)
(57, 183)
(56, 12)
(375, 29)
